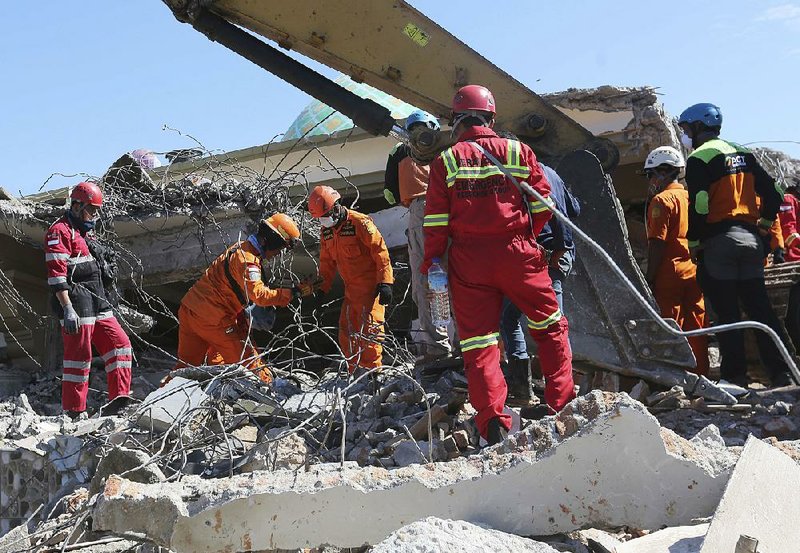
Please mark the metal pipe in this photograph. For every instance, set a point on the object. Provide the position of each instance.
(365, 113)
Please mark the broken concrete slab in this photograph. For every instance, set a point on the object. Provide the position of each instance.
(760, 500)
(561, 474)
(134, 464)
(678, 539)
(165, 406)
(132, 507)
(434, 534)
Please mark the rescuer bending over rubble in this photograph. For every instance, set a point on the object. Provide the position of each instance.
(352, 244)
(78, 272)
(493, 228)
(218, 312)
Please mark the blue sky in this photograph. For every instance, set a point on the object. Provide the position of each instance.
(84, 82)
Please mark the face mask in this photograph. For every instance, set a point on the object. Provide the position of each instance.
(327, 222)
(686, 141)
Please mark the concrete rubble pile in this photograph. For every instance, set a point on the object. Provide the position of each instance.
(216, 461)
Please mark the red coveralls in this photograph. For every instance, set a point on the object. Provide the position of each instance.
(788, 218)
(494, 254)
(676, 289)
(356, 248)
(71, 266)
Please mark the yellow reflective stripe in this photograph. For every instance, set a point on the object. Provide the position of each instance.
(450, 165)
(436, 220)
(512, 156)
(478, 342)
(541, 325)
(792, 237)
(539, 207)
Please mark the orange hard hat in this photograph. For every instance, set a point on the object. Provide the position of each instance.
(87, 193)
(282, 225)
(321, 200)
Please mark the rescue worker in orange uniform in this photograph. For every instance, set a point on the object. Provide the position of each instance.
(231, 285)
(671, 274)
(788, 215)
(473, 202)
(78, 273)
(351, 244)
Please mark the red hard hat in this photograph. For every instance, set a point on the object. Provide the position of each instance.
(321, 200)
(473, 97)
(87, 193)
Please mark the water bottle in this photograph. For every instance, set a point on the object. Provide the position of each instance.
(440, 300)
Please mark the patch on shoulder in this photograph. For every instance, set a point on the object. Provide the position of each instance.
(655, 212)
(369, 226)
(253, 272)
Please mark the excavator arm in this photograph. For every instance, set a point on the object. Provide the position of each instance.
(390, 45)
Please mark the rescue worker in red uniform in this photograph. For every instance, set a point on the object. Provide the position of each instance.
(788, 215)
(671, 274)
(212, 315)
(492, 226)
(351, 244)
(78, 274)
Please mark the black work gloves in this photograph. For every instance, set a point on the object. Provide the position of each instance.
(384, 293)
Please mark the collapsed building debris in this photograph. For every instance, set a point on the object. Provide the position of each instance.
(520, 487)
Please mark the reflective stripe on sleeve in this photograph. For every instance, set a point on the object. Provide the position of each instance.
(57, 280)
(436, 220)
(56, 256)
(791, 238)
(538, 207)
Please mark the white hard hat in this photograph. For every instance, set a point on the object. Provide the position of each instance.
(664, 155)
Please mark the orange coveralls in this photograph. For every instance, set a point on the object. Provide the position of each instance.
(209, 310)
(356, 249)
(676, 290)
(788, 217)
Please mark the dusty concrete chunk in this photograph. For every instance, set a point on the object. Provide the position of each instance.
(434, 534)
(16, 540)
(133, 463)
(761, 500)
(615, 470)
(678, 539)
(126, 506)
(168, 404)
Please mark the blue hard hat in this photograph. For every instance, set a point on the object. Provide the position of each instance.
(420, 116)
(706, 113)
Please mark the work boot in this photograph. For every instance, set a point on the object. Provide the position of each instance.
(536, 412)
(77, 415)
(520, 382)
(115, 406)
(496, 432)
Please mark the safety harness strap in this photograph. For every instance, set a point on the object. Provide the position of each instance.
(236, 288)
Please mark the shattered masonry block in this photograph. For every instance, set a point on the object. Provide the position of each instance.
(619, 468)
(435, 534)
(168, 404)
(760, 500)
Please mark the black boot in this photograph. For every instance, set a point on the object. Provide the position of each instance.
(520, 381)
(496, 432)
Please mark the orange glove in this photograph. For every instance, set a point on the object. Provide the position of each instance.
(307, 287)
